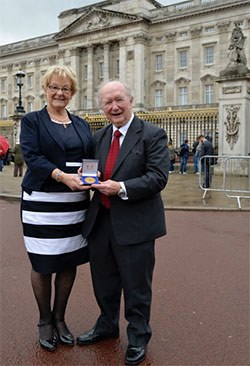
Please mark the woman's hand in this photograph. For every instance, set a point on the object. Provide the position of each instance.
(73, 181)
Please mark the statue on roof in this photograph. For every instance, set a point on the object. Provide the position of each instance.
(236, 54)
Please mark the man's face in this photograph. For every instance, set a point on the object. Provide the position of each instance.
(116, 103)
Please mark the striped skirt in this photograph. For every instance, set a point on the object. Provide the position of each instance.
(52, 229)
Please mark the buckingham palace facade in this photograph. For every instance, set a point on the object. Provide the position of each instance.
(170, 55)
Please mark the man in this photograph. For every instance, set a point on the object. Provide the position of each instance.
(196, 155)
(122, 237)
(184, 154)
(206, 149)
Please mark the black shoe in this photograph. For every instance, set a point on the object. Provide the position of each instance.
(205, 185)
(48, 344)
(92, 337)
(65, 339)
(135, 355)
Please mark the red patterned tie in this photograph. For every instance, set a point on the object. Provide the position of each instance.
(110, 163)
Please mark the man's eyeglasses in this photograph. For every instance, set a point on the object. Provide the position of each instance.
(55, 89)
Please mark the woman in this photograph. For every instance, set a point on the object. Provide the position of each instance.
(54, 203)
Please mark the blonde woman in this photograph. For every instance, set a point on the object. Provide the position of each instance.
(54, 202)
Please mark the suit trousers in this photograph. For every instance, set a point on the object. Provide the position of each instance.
(116, 268)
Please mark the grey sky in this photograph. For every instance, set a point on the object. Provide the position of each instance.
(23, 19)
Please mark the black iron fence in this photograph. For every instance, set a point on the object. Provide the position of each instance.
(178, 124)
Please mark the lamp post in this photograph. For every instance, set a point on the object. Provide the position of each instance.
(19, 82)
(19, 112)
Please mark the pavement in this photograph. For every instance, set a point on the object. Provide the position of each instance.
(181, 193)
(200, 309)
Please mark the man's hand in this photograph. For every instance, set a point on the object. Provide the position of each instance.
(108, 187)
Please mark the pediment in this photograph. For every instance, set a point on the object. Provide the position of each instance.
(96, 19)
(158, 83)
(207, 77)
(182, 80)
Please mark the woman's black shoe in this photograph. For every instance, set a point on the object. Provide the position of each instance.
(66, 339)
(48, 344)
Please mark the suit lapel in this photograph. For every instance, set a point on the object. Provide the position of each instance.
(131, 138)
(50, 126)
(102, 148)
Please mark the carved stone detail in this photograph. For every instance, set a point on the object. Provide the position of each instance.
(223, 26)
(75, 51)
(196, 31)
(232, 124)
(232, 90)
(170, 36)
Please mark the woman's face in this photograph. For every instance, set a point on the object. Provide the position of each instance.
(58, 92)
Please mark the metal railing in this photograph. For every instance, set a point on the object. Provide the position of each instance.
(228, 174)
(179, 124)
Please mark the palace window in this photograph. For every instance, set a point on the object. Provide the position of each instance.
(183, 34)
(209, 94)
(158, 98)
(158, 62)
(209, 29)
(30, 81)
(3, 85)
(209, 55)
(183, 59)
(30, 107)
(4, 111)
(182, 95)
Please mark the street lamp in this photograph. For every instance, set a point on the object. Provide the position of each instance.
(19, 82)
(19, 112)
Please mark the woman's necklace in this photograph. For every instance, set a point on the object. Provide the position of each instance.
(59, 120)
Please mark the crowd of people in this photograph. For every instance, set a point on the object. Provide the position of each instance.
(202, 150)
(114, 229)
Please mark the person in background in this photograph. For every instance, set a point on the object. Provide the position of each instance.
(54, 202)
(125, 217)
(1, 160)
(206, 149)
(184, 154)
(171, 150)
(195, 155)
(18, 160)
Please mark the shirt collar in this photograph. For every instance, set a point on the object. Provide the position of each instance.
(124, 128)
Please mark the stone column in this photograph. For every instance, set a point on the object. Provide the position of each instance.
(106, 48)
(139, 72)
(61, 54)
(234, 99)
(37, 85)
(122, 59)
(90, 86)
(234, 115)
(75, 58)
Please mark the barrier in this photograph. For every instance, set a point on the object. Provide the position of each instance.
(227, 174)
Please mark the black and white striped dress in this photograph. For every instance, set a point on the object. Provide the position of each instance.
(52, 221)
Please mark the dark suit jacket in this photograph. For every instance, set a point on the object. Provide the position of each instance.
(43, 148)
(143, 165)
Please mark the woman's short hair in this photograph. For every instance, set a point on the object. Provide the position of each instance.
(61, 71)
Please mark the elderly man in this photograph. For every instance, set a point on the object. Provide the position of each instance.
(125, 217)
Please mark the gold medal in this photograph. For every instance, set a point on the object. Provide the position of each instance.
(90, 180)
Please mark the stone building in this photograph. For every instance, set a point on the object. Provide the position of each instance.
(169, 55)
